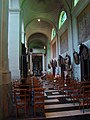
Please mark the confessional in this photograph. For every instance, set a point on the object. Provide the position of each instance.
(84, 62)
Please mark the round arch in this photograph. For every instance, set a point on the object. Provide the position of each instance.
(62, 18)
(37, 40)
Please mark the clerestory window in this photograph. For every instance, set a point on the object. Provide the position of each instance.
(62, 18)
(53, 34)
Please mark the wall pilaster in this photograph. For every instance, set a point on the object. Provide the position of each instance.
(5, 79)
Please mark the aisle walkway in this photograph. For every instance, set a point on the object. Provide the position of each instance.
(60, 107)
(57, 106)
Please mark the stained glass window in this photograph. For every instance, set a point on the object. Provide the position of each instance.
(53, 34)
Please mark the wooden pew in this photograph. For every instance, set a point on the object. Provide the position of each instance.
(38, 99)
(21, 98)
(84, 96)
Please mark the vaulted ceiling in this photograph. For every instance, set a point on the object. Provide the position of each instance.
(47, 11)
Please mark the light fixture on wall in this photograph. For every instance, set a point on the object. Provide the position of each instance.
(38, 20)
(44, 47)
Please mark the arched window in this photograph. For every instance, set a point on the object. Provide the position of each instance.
(62, 18)
(53, 34)
(75, 2)
(22, 34)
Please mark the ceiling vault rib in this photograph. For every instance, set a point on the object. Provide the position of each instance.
(47, 11)
(53, 25)
(22, 4)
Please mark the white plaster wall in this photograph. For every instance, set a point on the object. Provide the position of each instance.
(48, 56)
(14, 4)
(0, 48)
(13, 44)
(55, 39)
(0, 27)
(63, 28)
(71, 26)
(76, 11)
(76, 68)
(66, 26)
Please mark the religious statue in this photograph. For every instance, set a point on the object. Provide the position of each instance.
(53, 64)
(68, 69)
(76, 57)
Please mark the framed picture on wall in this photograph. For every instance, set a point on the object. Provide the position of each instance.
(83, 25)
(76, 57)
(64, 42)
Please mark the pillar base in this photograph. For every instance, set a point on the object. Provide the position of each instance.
(6, 77)
(6, 99)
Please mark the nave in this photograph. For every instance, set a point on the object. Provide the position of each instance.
(57, 105)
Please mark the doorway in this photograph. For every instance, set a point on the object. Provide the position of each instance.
(84, 62)
(85, 70)
(37, 65)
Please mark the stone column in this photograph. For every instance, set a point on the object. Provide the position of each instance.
(43, 62)
(14, 29)
(4, 69)
(4, 41)
(31, 72)
(57, 54)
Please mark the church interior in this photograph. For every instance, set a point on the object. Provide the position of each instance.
(44, 59)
